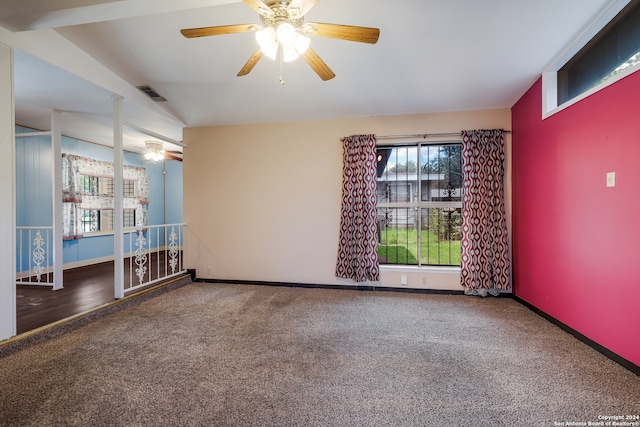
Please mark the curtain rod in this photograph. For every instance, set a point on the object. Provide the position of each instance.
(422, 135)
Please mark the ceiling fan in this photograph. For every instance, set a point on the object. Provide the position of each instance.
(284, 34)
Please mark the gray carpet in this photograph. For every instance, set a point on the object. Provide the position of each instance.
(241, 355)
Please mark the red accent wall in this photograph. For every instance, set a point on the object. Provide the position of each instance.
(576, 243)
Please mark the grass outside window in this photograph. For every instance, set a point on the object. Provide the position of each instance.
(400, 246)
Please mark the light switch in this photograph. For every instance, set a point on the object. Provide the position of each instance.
(611, 179)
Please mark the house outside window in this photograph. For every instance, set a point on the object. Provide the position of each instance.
(419, 202)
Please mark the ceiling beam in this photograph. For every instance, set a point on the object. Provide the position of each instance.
(28, 15)
(55, 49)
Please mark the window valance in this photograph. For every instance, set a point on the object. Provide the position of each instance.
(74, 167)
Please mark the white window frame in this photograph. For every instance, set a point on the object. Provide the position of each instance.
(550, 75)
(417, 203)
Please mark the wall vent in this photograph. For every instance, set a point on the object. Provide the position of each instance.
(151, 93)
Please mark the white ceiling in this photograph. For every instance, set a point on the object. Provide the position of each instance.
(432, 56)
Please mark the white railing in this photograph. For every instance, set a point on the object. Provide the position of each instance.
(155, 254)
(34, 256)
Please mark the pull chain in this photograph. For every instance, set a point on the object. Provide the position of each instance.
(281, 55)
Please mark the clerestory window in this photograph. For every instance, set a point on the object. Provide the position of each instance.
(610, 54)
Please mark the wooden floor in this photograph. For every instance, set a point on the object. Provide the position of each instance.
(85, 288)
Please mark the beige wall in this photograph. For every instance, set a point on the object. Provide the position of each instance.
(262, 202)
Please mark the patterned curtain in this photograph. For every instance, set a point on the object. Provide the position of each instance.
(71, 199)
(358, 246)
(485, 246)
(75, 198)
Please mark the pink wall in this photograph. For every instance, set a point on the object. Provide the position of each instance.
(576, 243)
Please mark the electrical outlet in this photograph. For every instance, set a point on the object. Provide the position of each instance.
(208, 270)
(424, 280)
(403, 280)
(611, 179)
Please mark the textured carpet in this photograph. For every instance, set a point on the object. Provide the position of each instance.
(241, 355)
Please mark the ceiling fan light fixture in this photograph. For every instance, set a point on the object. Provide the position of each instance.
(302, 43)
(270, 51)
(266, 39)
(283, 34)
(287, 34)
(154, 152)
(285, 37)
(289, 53)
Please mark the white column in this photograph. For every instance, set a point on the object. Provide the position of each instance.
(118, 162)
(56, 148)
(7, 197)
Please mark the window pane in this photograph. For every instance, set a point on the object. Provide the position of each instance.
(437, 243)
(95, 185)
(613, 49)
(397, 236)
(89, 219)
(129, 188)
(89, 184)
(440, 237)
(106, 185)
(441, 173)
(103, 220)
(106, 220)
(129, 218)
(397, 175)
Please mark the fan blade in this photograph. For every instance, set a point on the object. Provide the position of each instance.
(318, 64)
(217, 31)
(343, 32)
(260, 7)
(250, 63)
(298, 8)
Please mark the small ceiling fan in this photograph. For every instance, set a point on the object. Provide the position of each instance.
(284, 34)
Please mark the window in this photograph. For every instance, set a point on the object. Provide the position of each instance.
(88, 195)
(419, 196)
(609, 51)
(102, 220)
(614, 48)
(95, 220)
